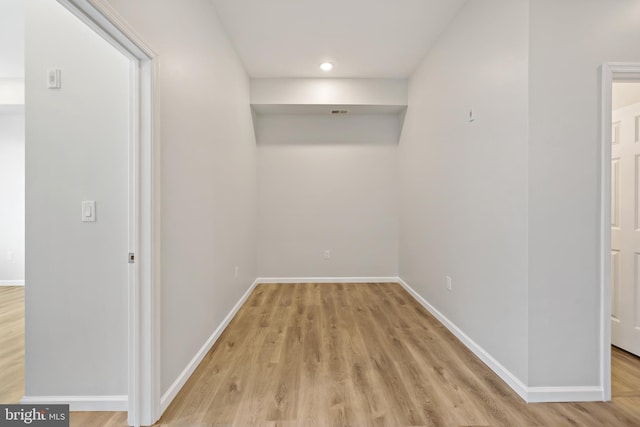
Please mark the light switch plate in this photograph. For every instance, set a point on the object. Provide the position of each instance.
(54, 78)
(89, 211)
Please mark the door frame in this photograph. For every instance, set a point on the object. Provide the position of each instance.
(609, 72)
(144, 207)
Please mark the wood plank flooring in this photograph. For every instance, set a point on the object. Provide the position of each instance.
(11, 344)
(331, 355)
(625, 374)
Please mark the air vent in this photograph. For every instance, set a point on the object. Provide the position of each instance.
(339, 111)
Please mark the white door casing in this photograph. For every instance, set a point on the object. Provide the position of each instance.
(607, 73)
(625, 228)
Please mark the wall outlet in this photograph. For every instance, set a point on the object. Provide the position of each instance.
(10, 256)
(236, 272)
(327, 254)
(448, 282)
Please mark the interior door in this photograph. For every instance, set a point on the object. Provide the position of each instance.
(78, 127)
(625, 229)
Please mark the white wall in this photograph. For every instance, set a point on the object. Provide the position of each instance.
(329, 91)
(327, 183)
(569, 40)
(76, 149)
(11, 197)
(208, 172)
(315, 129)
(463, 186)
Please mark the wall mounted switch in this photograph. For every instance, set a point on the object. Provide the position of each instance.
(54, 78)
(89, 211)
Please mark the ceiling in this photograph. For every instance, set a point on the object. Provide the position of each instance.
(11, 39)
(362, 38)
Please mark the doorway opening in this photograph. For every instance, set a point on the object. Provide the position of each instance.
(12, 243)
(619, 211)
(625, 238)
(12, 201)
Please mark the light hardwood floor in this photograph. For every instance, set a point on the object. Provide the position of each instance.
(11, 343)
(360, 355)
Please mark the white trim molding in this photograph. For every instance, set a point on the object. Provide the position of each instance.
(115, 403)
(186, 373)
(528, 394)
(274, 280)
(11, 282)
(564, 394)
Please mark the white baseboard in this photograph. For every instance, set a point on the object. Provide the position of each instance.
(82, 403)
(179, 382)
(488, 360)
(268, 280)
(565, 394)
(11, 282)
(528, 394)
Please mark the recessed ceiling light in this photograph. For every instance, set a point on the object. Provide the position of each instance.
(326, 66)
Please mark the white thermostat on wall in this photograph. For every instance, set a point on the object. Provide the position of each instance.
(89, 211)
(54, 78)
